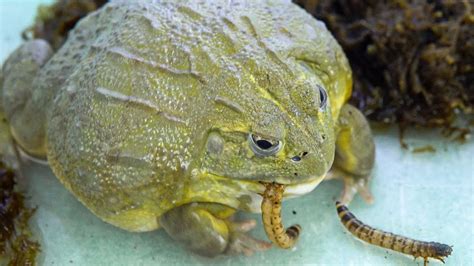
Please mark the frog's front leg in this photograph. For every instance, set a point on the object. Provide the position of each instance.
(18, 91)
(355, 154)
(206, 229)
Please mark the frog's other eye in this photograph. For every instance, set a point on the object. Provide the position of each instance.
(263, 147)
(323, 95)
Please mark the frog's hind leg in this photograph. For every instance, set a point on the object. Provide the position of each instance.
(355, 154)
(206, 229)
(17, 91)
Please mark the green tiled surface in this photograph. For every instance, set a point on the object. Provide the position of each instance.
(427, 196)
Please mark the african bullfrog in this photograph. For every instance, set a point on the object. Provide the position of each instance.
(174, 114)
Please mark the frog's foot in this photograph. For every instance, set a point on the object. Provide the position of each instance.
(352, 185)
(206, 229)
(241, 243)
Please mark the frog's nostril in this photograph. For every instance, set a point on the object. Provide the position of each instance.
(296, 158)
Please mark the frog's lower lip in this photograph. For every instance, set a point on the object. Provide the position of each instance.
(298, 189)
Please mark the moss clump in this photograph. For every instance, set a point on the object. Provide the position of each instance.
(16, 247)
(413, 60)
(53, 22)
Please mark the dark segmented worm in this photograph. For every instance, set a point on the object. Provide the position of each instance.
(391, 241)
(271, 216)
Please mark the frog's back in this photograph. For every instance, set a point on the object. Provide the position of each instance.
(127, 123)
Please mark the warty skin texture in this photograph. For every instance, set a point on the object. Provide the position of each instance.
(149, 105)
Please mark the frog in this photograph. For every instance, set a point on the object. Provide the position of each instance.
(175, 114)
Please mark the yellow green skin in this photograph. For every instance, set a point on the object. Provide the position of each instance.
(144, 113)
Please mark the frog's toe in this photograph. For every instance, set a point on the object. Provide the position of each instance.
(354, 185)
(242, 243)
(243, 226)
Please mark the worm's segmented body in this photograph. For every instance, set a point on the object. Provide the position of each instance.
(391, 241)
(271, 216)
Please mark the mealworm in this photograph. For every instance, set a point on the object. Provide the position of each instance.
(391, 241)
(271, 216)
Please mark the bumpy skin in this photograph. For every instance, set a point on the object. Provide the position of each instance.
(148, 106)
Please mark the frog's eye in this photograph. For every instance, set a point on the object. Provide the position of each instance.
(323, 95)
(263, 147)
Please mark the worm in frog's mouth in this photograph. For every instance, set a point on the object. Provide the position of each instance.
(271, 210)
(271, 217)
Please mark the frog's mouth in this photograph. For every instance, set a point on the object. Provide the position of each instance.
(245, 194)
(255, 190)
